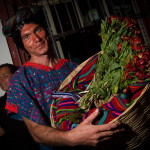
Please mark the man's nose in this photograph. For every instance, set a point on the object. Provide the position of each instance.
(36, 38)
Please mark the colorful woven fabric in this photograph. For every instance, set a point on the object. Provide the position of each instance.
(67, 112)
(67, 104)
(30, 89)
(21, 15)
(119, 103)
(82, 79)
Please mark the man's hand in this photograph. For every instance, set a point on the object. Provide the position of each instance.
(88, 134)
(84, 134)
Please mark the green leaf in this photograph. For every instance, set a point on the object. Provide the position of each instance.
(102, 92)
(116, 78)
(114, 66)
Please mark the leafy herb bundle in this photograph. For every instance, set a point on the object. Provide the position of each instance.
(124, 60)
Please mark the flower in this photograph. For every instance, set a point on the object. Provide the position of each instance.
(124, 61)
(119, 47)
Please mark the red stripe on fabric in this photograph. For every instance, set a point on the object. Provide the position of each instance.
(87, 66)
(117, 105)
(137, 94)
(110, 117)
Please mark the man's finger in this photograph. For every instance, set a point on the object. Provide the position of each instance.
(109, 126)
(91, 117)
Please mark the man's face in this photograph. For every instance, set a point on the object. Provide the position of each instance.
(34, 39)
(5, 76)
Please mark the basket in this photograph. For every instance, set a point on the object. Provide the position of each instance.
(136, 117)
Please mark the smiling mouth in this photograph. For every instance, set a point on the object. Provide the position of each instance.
(40, 46)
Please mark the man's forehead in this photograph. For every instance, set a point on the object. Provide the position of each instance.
(28, 28)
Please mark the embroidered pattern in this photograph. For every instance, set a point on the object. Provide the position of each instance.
(30, 89)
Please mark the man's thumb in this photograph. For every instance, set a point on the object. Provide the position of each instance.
(92, 116)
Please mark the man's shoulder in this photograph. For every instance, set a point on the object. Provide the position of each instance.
(21, 72)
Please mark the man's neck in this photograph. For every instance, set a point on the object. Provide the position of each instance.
(44, 60)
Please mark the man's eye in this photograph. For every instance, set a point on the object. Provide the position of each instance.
(26, 37)
(38, 29)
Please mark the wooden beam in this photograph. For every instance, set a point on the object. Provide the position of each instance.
(5, 12)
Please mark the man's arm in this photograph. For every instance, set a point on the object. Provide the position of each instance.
(84, 134)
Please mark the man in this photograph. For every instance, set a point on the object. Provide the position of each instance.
(30, 92)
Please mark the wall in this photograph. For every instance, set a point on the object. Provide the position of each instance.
(5, 56)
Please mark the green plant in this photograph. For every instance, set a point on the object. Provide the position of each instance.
(123, 61)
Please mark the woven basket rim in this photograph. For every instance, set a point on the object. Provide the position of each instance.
(51, 116)
(147, 87)
(132, 105)
(75, 71)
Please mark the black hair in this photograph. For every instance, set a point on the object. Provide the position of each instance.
(11, 67)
